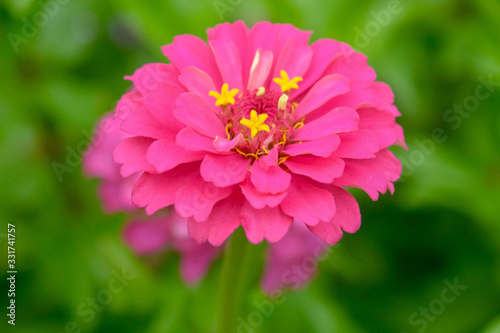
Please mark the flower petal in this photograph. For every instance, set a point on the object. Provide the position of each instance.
(268, 223)
(323, 170)
(189, 50)
(258, 199)
(158, 191)
(224, 170)
(323, 147)
(148, 235)
(131, 152)
(381, 124)
(237, 33)
(228, 59)
(324, 90)
(149, 76)
(221, 223)
(196, 113)
(338, 120)
(308, 203)
(372, 175)
(191, 140)
(324, 51)
(197, 82)
(347, 217)
(223, 145)
(261, 67)
(359, 144)
(165, 155)
(197, 198)
(137, 120)
(160, 103)
(267, 176)
(294, 59)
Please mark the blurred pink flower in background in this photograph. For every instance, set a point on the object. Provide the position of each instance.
(168, 230)
(258, 128)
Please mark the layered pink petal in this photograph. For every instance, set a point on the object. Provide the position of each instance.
(324, 51)
(359, 144)
(323, 147)
(188, 50)
(228, 59)
(159, 102)
(149, 76)
(324, 90)
(261, 67)
(223, 145)
(131, 152)
(381, 124)
(137, 120)
(351, 64)
(237, 34)
(323, 170)
(197, 198)
(165, 155)
(338, 120)
(197, 82)
(347, 217)
(372, 175)
(196, 113)
(266, 223)
(223, 220)
(308, 203)
(268, 177)
(158, 191)
(294, 59)
(224, 170)
(258, 199)
(191, 140)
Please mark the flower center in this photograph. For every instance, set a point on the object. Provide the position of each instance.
(265, 118)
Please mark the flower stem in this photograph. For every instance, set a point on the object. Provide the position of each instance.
(234, 280)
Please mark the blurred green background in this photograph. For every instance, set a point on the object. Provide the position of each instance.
(441, 226)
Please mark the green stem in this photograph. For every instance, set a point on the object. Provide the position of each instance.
(234, 281)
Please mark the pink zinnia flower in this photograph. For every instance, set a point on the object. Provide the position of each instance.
(258, 128)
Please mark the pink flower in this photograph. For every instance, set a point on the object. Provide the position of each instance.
(145, 235)
(155, 234)
(114, 190)
(258, 128)
(293, 261)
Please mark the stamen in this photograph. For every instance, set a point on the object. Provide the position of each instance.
(261, 91)
(255, 123)
(225, 97)
(286, 84)
(282, 102)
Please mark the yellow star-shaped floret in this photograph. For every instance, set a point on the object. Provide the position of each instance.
(225, 97)
(285, 83)
(255, 123)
